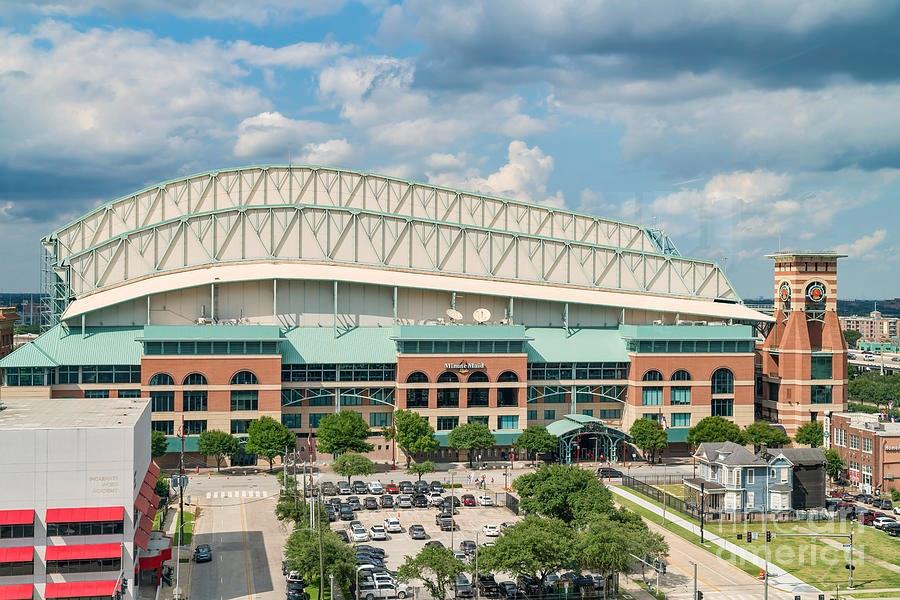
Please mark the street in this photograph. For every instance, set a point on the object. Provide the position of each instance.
(236, 518)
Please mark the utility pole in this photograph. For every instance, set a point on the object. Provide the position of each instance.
(702, 508)
(177, 593)
(694, 597)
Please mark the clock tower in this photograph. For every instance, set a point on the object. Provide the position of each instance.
(804, 355)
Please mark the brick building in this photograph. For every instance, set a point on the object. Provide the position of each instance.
(870, 449)
(8, 318)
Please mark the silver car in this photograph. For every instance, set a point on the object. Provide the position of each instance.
(404, 501)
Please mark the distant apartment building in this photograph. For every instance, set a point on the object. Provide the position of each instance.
(874, 328)
(8, 318)
(870, 449)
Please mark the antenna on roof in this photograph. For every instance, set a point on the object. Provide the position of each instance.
(454, 315)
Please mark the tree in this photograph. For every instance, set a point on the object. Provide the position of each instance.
(810, 434)
(412, 433)
(301, 553)
(344, 431)
(351, 464)
(852, 337)
(563, 492)
(834, 464)
(534, 547)
(874, 388)
(434, 567)
(219, 444)
(715, 429)
(421, 468)
(159, 445)
(269, 438)
(608, 542)
(649, 436)
(536, 439)
(471, 437)
(162, 486)
(763, 433)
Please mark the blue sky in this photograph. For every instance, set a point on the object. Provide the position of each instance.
(739, 127)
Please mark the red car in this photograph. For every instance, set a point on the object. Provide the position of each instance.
(468, 500)
(392, 488)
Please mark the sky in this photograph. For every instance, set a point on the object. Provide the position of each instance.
(740, 128)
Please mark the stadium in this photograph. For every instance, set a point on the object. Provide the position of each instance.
(295, 291)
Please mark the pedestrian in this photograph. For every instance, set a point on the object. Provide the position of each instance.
(492, 482)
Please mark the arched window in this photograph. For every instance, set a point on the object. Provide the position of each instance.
(448, 397)
(195, 379)
(723, 382)
(477, 396)
(508, 396)
(244, 378)
(417, 398)
(417, 377)
(681, 375)
(478, 377)
(162, 379)
(653, 375)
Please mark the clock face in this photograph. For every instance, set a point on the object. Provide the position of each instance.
(816, 292)
(784, 292)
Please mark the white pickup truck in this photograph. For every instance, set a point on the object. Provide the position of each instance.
(370, 590)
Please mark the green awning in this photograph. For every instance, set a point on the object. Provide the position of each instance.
(688, 332)
(677, 434)
(64, 345)
(467, 333)
(555, 344)
(202, 333)
(502, 438)
(320, 345)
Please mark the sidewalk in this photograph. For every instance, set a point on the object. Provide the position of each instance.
(778, 577)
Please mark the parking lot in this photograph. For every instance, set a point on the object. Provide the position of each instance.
(469, 523)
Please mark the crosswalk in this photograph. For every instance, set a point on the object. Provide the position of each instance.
(237, 494)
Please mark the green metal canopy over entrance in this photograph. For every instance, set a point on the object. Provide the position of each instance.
(582, 435)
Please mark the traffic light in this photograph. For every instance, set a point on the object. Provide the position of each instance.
(768, 536)
(749, 537)
(699, 595)
(850, 567)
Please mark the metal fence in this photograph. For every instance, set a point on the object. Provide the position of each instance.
(668, 500)
(512, 502)
(661, 479)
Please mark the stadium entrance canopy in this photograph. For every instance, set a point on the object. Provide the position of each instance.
(582, 437)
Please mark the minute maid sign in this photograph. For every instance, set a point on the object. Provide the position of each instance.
(464, 366)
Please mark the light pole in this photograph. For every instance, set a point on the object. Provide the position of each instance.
(694, 597)
(475, 579)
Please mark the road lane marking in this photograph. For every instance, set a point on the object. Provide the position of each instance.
(208, 495)
(247, 567)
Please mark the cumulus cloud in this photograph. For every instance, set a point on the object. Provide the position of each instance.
(524, 177)
(863, 247)
(271, 134)
(301, 55)
(257, 12)
(330, 153)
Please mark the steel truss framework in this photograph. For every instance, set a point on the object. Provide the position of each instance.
(326, 215)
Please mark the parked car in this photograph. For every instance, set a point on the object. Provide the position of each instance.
(344, 488)
(370, 503)
(455, 501)
(420, 501)
(436, 486)
(446, 523)
(490, 531)
(370, 590)
(387, 501)
(392, 488)
(509, 590)
(421, 487)
(486, 500)
(392, 525)
(203, 553)
(462, 588)
(406, 487)
(461, 556)
(342, 535)
(371, 549)
(487, 585)
(883, 504)
(506, 525)
(359, 487)
(608, 473)
(435, 499)
(529, 585)
(359, 534)
(866, 517)
(467, 547)
(434, 544)
(378, 532)
(376, 488)
(417, 532)
(864, 498)
(892, 529)
(346, 512)
(880, 522)
(446, 507)
(329, 489)
(468, 500)
(404, 501)
(897, 510)
(353, 501)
